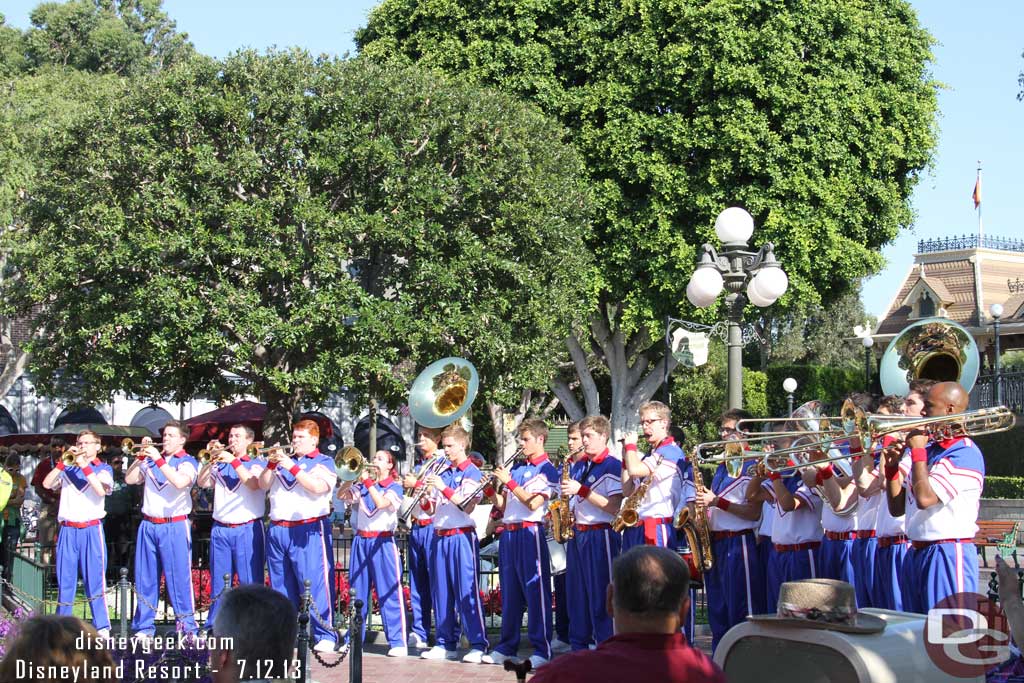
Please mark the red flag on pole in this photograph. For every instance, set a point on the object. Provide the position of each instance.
(977, 192)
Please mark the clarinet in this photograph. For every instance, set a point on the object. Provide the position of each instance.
(486, 481)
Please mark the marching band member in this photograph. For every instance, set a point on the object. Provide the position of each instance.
(455, 553)
(890, 579)
(524, 565)
(940, 494)
(796, 530)
(735, 584)
(421, 540)
(669, 472)
(300, 497)
(869, 480)
(596, 487)
(836, 555)
(164, 541)
(237, 539)
(374, 558)
(83, 487)
(574, 444)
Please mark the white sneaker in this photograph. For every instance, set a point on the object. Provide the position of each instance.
(474, 656)
(416, 642)
(494, 657)
(537, 661)
(399, 651)
(560, 646)
(438, 652)
(325, 645)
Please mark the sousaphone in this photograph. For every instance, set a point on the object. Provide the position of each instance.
(444, 392)
(933, 348)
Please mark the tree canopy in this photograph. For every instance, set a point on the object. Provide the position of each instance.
(304, 224)
(817, 116)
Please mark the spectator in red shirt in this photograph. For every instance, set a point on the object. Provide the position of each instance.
(648, 600)
(46, 525)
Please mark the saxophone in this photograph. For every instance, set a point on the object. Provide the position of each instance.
(697, 530)
(563, 522)
(629, 515)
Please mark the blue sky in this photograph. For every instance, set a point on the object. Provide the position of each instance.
(977, 58)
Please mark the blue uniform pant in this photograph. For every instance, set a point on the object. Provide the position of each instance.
(663, 535)
(83, 551)
(889, 576)
(734, 585)
(561, 606)
(298, 553)
(376, 561)
(167, 549)
(524, 568)
(589, 556)
(835, 561)
(454, 571)
(939, 570)
(864, 550)
(235, 550)
(332, 584)
(788, 565)
(420, 540)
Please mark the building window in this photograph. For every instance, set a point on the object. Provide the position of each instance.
(926, 306)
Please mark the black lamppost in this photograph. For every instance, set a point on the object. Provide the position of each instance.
(789, 386)
(868, 342)
(733, 269)
(997, 312)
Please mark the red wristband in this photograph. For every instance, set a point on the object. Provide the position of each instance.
(417, 485)
(236, 463)
(824, 473)
(295, 469)
(722, 504)
(774, 476)
(584, 491)
(160, 462)
(60, 466)
(512, 485)
(448, 492)
(892, 472)
(631, 447)
(918, 455)
(271, 464)
(85, 470)
(140, 458)
(489, 491)
(888, 440)
(366, 482)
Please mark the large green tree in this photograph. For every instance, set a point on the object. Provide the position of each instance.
(815, 115)
(304, 224)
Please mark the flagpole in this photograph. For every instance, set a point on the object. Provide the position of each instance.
(977, 199)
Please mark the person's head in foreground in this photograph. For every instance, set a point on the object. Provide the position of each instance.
(50, 647)
(253, 635)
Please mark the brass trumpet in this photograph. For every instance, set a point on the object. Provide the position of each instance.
(129, 446)
(69, 455)
(257, 449)
(209, 455)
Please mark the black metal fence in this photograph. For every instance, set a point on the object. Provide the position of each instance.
(984, 393)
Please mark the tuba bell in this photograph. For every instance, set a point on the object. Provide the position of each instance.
(933, 348)
(349, 463)
(444, 392)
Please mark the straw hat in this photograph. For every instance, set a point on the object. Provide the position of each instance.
(821, 603)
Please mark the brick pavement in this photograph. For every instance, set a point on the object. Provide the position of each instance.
(377, 668)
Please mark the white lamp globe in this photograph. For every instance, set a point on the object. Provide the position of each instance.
(996, 310)
(734, 225)
(707, 283)
(771, 282)
(698, 299)
(867, 341)
(755, 296)
(789, 385)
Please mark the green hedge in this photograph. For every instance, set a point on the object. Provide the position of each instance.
(827, 384)
(1004, 487)
(1003, 451)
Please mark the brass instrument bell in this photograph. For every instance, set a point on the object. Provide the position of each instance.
(443, 392)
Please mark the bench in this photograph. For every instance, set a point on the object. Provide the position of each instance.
(1000, 534)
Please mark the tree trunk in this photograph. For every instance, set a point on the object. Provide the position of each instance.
(636, 367)
(282, 409)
